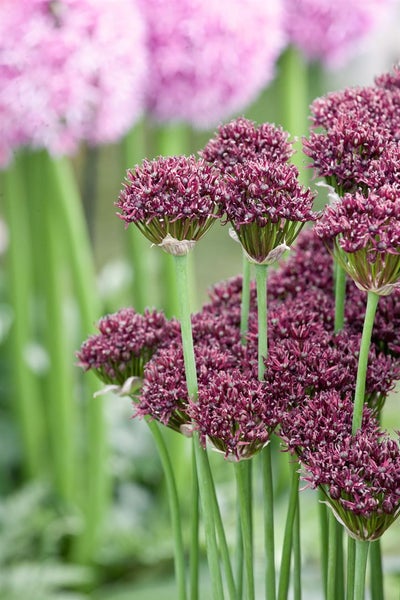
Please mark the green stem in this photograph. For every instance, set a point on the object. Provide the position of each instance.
(67, 203)
(332, 558)
(244, 500)
(297, 554)
(351, 561)
(261, 282)
(340, 294)
(360, 569)
(375, 557)
(194, 539)
(239, 558)
(288, 534)
(372, 303)
(245, 305)
(179, 554)
(339, 562)
(26, 389)
(269, 534)
(323, 522)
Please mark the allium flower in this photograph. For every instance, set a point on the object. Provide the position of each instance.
(343, 154)
(232, 413)
(126, 342)
(172, 199)
(359, 474)
(329, 32)
(71, 70)
(209, 59)
(267, 207)
(374, 107)
(390, 81)
(242, 140)
(384, 170)
(365, 237)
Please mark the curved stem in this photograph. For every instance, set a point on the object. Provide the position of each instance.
(261, 282)
(245, 304)
(360, 569)
(269, 533)
(284, 576)
(174, 508)
(244, 500)
(372, 303)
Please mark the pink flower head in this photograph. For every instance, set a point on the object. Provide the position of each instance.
(267, 207)
(209, 59)
(242, 140)
(365, 233)
(171, 198)
(390, 81)
(331, 32)
(70, 70)
(126, 342)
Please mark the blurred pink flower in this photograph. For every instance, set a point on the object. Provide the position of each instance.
(70, 70)
(329, 31)
(209, 59)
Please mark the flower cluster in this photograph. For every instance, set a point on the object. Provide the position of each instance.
(242, 140)
(172, 197)
(365, 233)
(197, 50)
(360, 474)
(76, 73)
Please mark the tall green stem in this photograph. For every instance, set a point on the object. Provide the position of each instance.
(297, 553)
(324, 537)
(261, 283)
(375, 558)
(360, 569)
(244, 495)
(284, 576)
(194, 538)
(332, 559)
(340, 293)
(174, 509)
(351, 561)
(20, 285)
(372, 303)
(245, 304)
(269, 533)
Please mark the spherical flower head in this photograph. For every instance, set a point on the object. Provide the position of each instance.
(375, 107)
(172, 199)
(267, 207)
(364, 236)
(76, 74)
(242, 140)
(390, 81)
(126, 342)
(209, 59)
(342, 155)
(331, 33)
(359, 474)
(231, 413)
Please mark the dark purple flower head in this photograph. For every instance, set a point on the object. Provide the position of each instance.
(360, 474)
(390, 81)
(374, 107)
(342, 155)
(242, 140)
(232, 413)
(172, 197)
(384, 170)
(365, 234)
(126, 342)
(267, 206)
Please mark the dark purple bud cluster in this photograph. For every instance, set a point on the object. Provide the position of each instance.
(126, 342)
(364, 235)
(242, 140)
(360, 474)
(177, 196)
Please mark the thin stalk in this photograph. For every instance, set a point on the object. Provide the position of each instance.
(80, 258)
(360, 569)
(375, 557)
(323, 526)
(372, 303)
(284, 576)
(244, 500)
(269, 533)
(261, 283)
(245, 304)
(340, 294)
(297, 554)
(339, 562)
(239, 558)
(332, 558)
(179, 554)
(351, 561)
(194, 537)
(20, 285)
